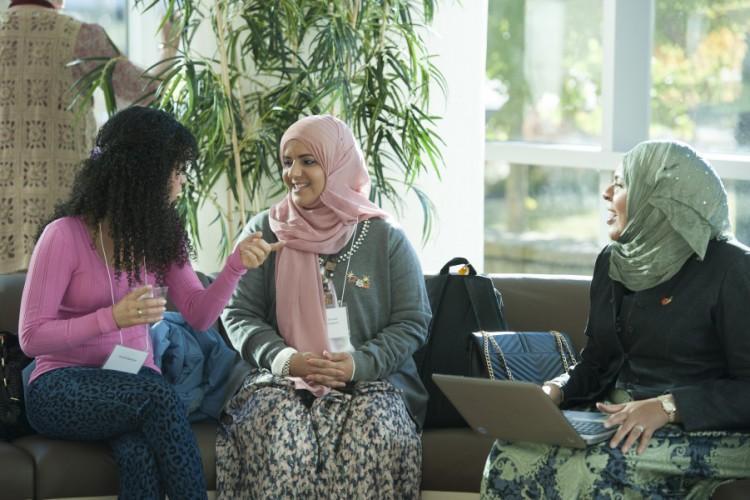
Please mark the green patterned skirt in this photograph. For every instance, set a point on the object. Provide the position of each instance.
(676, 464)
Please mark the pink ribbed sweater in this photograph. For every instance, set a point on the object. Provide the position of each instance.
(66, 308)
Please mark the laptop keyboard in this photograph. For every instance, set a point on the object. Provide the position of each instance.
(588, 427)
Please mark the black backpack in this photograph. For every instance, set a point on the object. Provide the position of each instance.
(13, 421)
(461, 305)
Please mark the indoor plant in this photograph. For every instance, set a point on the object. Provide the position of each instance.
(274, 61)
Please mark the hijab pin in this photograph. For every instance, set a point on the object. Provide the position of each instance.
(665, 301)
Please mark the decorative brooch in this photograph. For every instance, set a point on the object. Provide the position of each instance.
(363, 282)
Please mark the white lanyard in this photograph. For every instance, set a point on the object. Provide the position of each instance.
(337, 317)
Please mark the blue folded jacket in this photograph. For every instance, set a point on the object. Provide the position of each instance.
(205, 372)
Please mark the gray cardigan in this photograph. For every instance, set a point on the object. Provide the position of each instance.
(388, 321)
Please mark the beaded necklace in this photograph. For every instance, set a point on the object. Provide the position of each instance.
(328, 266)
(352, 249)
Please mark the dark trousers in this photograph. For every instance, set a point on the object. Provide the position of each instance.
(139, 415)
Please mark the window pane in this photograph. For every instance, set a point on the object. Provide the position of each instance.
(544, 64)
(701, 73)
(542, 219)
(739, 208)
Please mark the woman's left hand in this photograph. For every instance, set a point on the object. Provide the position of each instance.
(638, 420)
(341, 361)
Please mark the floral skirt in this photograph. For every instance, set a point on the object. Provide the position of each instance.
(279, 442)
(676, 464)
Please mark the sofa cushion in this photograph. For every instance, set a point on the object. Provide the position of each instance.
(539, 302)
(205, 433)
(79, 469)
(16, 473)
(70, 468)
(453, 459)
(735, 490)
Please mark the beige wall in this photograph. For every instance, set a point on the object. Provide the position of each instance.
(459, 38)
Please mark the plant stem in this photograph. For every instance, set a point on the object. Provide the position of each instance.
(220, 27)
(230, 222)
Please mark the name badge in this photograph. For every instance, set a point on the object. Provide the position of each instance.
(337, 320)
(125, 359)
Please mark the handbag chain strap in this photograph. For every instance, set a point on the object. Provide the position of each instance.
(3, 354)
(488, 360)
(566, 353)
(564, 347)
(4, 365)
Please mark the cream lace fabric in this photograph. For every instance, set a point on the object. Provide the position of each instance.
(42, 142)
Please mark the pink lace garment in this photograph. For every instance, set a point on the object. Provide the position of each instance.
(130, 84)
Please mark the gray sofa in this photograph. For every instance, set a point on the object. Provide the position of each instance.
(453, 459)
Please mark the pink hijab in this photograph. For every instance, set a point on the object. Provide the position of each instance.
(324, 229)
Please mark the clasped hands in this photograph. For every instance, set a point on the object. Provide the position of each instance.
(332, 369)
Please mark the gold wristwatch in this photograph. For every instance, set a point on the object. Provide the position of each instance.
(667, 404)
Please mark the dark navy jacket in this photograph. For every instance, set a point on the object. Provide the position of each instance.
(689, 336)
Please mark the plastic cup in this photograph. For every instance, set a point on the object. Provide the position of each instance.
(159, 292)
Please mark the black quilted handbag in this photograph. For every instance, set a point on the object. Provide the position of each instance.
(12, 362)
(525, 356)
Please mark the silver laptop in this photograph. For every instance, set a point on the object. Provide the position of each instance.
(520, 411)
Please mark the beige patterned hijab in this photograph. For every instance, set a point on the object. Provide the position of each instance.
(676, 204)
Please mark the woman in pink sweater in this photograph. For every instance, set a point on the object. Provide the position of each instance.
(85, 309)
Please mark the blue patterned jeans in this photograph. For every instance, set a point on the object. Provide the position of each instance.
(139, 415)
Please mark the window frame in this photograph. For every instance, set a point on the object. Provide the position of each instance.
(627, 36)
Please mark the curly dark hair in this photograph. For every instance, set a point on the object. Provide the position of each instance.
(126, 180)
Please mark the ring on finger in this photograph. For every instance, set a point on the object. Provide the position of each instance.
(639, 428)
(140, 312)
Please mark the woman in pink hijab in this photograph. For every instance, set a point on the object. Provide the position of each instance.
(335, 407)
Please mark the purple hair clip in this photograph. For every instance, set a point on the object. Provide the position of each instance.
(96, 153)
